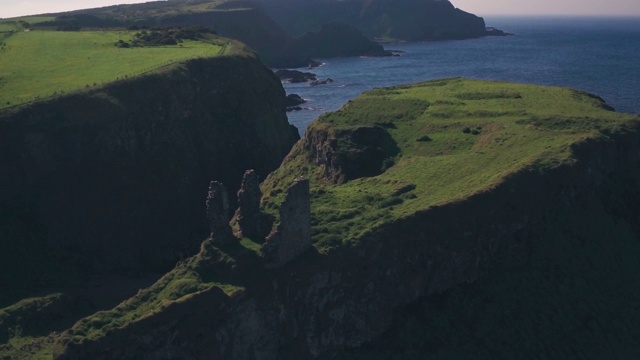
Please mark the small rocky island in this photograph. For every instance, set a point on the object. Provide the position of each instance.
(295, 76)
(294, 101)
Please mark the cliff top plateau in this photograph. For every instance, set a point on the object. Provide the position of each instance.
(40, 64)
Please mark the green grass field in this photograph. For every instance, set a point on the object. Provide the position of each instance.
(456, 137)
(38, 64)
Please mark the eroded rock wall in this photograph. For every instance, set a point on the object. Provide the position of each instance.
(348, 154)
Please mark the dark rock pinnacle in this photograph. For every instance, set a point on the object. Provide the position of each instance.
(252, 223)
(218, 214)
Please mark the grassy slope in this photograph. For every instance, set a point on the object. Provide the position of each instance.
(196, 275)
(517, 126)
(189, 278)
(38, 64)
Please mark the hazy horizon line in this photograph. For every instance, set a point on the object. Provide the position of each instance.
(563, 15)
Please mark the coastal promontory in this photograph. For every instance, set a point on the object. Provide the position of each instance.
(431, 205)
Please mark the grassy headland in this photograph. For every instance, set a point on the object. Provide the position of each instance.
(448, 139)
(39, 64)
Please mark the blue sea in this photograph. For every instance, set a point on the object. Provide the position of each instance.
(597, 55)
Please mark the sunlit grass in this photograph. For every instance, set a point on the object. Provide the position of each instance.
(38, 64)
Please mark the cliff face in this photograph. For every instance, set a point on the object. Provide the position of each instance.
(351, 153)
(113, 179)
(405, 19)
(566, 222)
(563, 284)
(336, 40)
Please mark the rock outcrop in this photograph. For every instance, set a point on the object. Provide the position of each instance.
(295, 76)
(293, 102)
(292, 236)
(361, 151)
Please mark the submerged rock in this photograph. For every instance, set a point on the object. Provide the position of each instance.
(295, 76)
(491, 31)
(321, 82)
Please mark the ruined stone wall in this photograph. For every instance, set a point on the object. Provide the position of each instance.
(292, 236)
(249, 220)
(218, 214)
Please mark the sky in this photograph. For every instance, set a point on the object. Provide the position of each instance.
(550, 7)
(12, 8)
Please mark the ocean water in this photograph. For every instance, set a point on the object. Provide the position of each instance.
(597, 55)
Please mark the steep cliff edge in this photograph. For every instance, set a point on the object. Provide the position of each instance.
(486, 181)
(111, 180)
